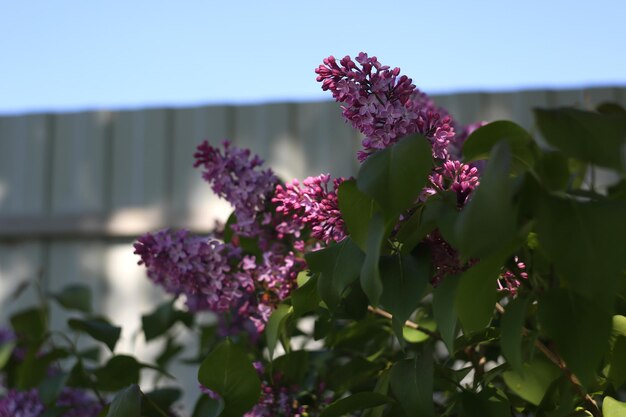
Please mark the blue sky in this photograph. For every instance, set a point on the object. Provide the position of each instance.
(71, 55)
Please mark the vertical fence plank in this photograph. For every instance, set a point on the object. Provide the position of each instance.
(23, 153)
(19, 262)
(193, 202)
(326, 140)
(78, 165)
(597, 96)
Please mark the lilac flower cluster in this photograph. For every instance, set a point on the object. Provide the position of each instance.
(383, 105)
(197, 267)
(75, 403)
(234, 176)
(452, 176)
(217, 276)
(311, 203)
(21, 404)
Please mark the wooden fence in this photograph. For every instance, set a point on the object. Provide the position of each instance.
(76, 189)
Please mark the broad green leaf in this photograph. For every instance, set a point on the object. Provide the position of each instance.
(370, 273)
(489, 219)
(617, 371)
(161, 320)
(75, 297)
(579, 327)
(415, 336)
(382, 387)
(276, 325)
(50, 388)
(477, 292)
(127, 403)
(120, 371)
(484, 404)
(405, 278)
(577, 235)
(619, 326)
(208, 407)
(613, 408)
(30, 324)
(444, 310)
(609, 107)
(6, 349)
(292, 366)
(338, 265)
(98, 328)
(589, 136)
(479, 144)
(553, 169)
(228, 371)
(357, 210)
(306, 297)
(511, 326)
(532, 381)
(395, 176)
(412, 384)
(355, 402)
(437, 209)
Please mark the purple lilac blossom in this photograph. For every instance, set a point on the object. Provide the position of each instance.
(383, 105)
(312, 203)
(197, 267)
(79, 403)
(21, 404)
(510, 280)
(235, 175)
(452, 176)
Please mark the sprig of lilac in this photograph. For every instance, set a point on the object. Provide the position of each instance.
(452, 176)
(235, 175)
(383, 105)
(313, 204)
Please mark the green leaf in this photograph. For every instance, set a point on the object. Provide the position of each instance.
(589, 136)
(357, 210)
(489, 219)
(405, 278)
(30, 324)
(477, 292)
(276, 325)
(338, 265)
(511, 332)
(553, 169)
(208, 407)
(98, 328)
(75, 297)
(6, 349)
(293, 366)
(370, 273)
(613, 408)
(127, 403)
(306, 297)
(480, 143)
(576, 235)
(617, 371)
(120, 371)
(50, 388)
(580, 328)
(444, 297)
(412, 384)
(395, 176)
(163, 398)
(355, 402)
(416, 336)
(484, 404)
(228, 371)
(532, 381)
(162, 319)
